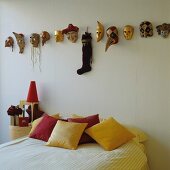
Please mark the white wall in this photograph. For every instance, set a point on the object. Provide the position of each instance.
(131, 81)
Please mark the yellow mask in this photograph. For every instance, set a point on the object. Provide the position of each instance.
(99, 31)
(59, 37)
(128, 32)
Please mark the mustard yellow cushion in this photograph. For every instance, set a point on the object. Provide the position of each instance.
(66, 134)
(140, 136)
(109, 134)
(37, 121)
(57, 115)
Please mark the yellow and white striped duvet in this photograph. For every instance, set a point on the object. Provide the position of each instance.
(32, 154)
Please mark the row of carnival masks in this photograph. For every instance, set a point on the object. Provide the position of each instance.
(146, 30)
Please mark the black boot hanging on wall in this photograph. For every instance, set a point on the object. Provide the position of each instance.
(87, 53)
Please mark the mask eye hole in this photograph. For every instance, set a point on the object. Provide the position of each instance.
(142, 30)
(113, 35)
(148, 29)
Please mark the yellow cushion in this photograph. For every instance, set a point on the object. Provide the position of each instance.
(140, 136)
(37, 121)
(109, 134)
(57, 115)
(66, 134)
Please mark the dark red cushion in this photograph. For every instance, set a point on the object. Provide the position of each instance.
(91, 120)
(44, 128)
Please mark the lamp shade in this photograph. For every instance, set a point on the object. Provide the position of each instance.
(32, 93)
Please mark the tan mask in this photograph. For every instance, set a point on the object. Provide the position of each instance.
(35, 49)
(9, 42)
(59, 37)
(72, 33)
(163, 30)
(20, 41)
(35, 39)
(112, 34)
(146, 29)
(45, 37)
(72, 36)
(99, 31)
(128, 32)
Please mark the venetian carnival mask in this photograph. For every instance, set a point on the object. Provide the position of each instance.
(128, 32)
(163, 30)
(146, 29)
(59, 37)
(9, 42)
(99, 31)
(72, 33)
(45, 37)
(35, 49)
(20, 41)
(35, 39)
(112, 34)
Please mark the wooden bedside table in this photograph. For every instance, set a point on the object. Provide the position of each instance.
(17, 131)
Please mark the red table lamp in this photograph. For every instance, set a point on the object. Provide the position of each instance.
(32, 93)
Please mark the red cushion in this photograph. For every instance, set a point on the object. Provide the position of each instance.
(44, 128)
(91, 120)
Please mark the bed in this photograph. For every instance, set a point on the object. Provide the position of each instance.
(32, 154)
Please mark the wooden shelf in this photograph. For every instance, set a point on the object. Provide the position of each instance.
(34, 108)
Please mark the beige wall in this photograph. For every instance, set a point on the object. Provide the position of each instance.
(131, 81)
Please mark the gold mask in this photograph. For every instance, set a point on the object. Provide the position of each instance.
(128, 32)
(59, 37)
(99, 31)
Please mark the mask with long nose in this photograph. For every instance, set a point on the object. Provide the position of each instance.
(112, 34)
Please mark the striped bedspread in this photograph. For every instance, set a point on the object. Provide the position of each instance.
(32, 154)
